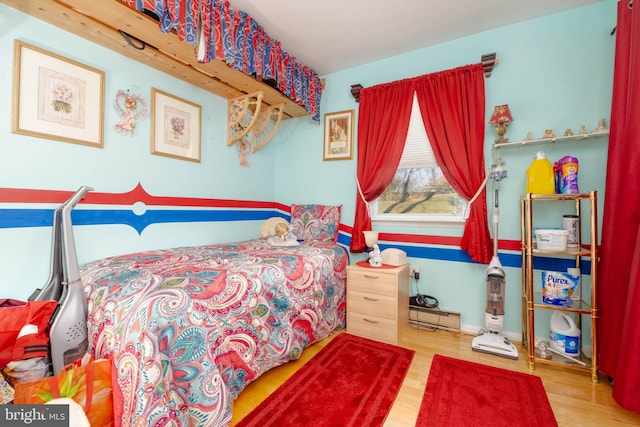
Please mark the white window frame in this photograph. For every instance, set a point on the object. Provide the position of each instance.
(415, 155)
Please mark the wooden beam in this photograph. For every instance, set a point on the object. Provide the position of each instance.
(100, 21)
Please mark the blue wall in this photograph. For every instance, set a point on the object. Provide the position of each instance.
(123, 163)
(554, 72)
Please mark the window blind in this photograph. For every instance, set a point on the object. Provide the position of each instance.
(417, 149)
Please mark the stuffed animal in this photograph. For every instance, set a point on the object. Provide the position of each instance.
(283, 233)
(269, 226)
(278, 232)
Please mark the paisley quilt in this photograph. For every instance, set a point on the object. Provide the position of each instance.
(189, 328)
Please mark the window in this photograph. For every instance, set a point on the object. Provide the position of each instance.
(419, 192)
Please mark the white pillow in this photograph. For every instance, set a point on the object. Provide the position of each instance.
(269, 226)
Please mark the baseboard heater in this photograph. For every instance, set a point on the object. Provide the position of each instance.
(434, 318)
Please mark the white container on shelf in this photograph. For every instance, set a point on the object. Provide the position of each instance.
(552, 239)
(564, 335)
(571, 223)
(577, 293)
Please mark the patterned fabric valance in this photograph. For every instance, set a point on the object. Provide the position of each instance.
(234, 37)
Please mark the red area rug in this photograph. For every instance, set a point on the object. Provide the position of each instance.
(352, 381)
(461, 393)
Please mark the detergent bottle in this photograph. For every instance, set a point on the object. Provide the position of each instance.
(564, 335)
(540, 176)
(568, 171)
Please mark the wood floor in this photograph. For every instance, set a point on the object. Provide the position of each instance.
(574, 399)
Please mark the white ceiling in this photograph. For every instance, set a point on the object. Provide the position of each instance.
(333, 35)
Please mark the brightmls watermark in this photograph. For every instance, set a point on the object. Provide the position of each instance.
(34, 415)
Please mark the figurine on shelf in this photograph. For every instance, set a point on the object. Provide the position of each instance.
(602, 127)
(549, 134)
(528, 137)
(568, 132)
(583, 130)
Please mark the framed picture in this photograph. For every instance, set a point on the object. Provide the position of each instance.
(175, 127)
(56, 98)
(338, 135)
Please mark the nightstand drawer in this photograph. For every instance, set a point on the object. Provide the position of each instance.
(372, 304)
(372, 282)
(373, 327)
(377, 301)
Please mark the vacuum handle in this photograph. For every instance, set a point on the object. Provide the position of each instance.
(75, 198)
(70, 266)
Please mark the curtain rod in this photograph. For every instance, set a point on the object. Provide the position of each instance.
(488, 61)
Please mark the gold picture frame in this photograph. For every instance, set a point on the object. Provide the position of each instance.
(56, 98)
(338, 135)
(175, 127)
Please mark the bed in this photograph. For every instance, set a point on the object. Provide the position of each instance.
(188, 328)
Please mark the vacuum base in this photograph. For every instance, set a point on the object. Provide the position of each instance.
(495, 344)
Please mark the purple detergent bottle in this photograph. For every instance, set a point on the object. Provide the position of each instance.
(568, 167)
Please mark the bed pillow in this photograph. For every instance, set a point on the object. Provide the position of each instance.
(316, 222)
(269, 226)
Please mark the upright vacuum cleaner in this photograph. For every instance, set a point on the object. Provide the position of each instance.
(491, 340)
(68, 335)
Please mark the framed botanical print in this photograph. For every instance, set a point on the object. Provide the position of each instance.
(175, 127)
(56, 98)
(338, 135)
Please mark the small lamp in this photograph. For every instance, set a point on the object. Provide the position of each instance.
(501, 117)
(371, 239)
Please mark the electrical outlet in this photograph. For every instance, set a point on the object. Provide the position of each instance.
(414, 271)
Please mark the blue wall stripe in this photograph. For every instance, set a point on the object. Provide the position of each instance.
(19, 218)
(506, 259)
(13, 218)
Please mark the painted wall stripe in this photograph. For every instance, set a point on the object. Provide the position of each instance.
(443, 248)
(138, 194)
(17, 218)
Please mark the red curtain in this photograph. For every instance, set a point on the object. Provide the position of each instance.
(453, 108)
(619, 274)
(383, 125)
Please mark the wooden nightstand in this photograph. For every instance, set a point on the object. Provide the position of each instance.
(378, 301)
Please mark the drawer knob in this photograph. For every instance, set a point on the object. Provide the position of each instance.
(371, 299)
(370, 321)
(370, 277)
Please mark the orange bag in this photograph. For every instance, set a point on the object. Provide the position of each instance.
(88, 385)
